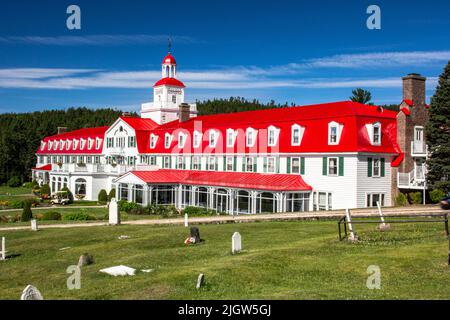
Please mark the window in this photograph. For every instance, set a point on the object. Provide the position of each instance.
(174, 98)
(296, 134)
(98, 142)
(90, 143)
(373, 198)
(153, 140)
(61, 144)
(272, 136)
(55, 145)
(120, 142)
(181, 140)
(270, 165)
(295, 165)
(97, 160)
(229, 166)
(332, 166)
(88, 159)
(212, 163)
(197, 139)
(110, 142)
(196, 164)
(250, 137)
(123, 191)
(376, 167)
(322, 200)
(82, 144)
(180, 162)
(131, 142)
(138, 194)
(296, 202)
(418, 133)
(68, 144)
(376, 134)
(80, 187)
(167, 140)
(213, 138)
(152, 160)
(43, 145)
(333, 133)
(231, 137)
(248, 164)
(166, 162)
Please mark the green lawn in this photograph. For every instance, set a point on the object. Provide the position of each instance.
(281, 260)
(4, 190)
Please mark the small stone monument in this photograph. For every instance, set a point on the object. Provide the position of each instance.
(31, 293)
(114, 215)
(195, 235)
(3, 252)
(352, 237)
(186, 222)
(85, 259)
(200, 280)
(236, 243)
(34, 225)
(382, 226)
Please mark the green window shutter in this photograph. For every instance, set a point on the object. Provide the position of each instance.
(324, 166)
(224, 163)
(265, 164)
(302, 165)
(255, 164)
(288, 169)
(341, 166)
(235, 164)
(382, 167)
(369, 167)
(278, 165)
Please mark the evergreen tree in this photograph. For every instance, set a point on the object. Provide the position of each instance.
(361, 96)
(438, 134)
(27, 215)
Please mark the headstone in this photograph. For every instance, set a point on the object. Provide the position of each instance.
(382, 226)
(200, 280)
(114, 215)
(195, 235)
(119, 271)
(123, 237)
(85, 259)
(31, 293)
(3, 252)
(34, 225)
(236, 243)
(352, 236)
(186, 222)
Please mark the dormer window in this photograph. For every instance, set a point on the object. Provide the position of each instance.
(98, 142)
(167, 140)
(376, 134)
(181, 140)
(272, 136)
(296, 134)
(197, 139)
(250, 137)
(334, 133)
(43, 143)
(90, 143)
(75, 144)
(153, 140)
(55, 145)
(213, 138)
(61, 144)
(231, 137)
(68, 144)
(82, 144)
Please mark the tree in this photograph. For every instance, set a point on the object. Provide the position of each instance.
(69, 194)
(112, 194)
(438, 134)
(102, 196)
(45, 191)
(27, 215)
(361, 96)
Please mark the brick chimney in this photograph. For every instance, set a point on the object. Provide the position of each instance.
(62, 130)
(184, 113)
(414, 88)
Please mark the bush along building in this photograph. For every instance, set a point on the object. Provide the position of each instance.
(318, 157)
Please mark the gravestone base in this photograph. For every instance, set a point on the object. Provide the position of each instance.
(384, 227)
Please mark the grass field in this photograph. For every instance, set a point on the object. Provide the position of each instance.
(280, 260)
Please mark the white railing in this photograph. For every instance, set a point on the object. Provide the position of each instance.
(93, 168)
(412, 180)
(418, 148)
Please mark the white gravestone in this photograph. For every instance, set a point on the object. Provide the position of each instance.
(186, 222)
(353, 236)
(31, 293)
(382, 226)
(3, 252)
(34, 225)
(114, 215)
(236, 243)
(200, 280)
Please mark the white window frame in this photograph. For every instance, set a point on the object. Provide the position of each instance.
(90, 143)
(300, 129)
(55, 145)
(167, 140)
(75, 144)
(292, 165)
(153, 140)
(250, 137)
(418, 129)
(376, 125)
(329, 167)
(213, 163)
(98, 143)
(196, 165)
(226, 163)
(338, 127)
(377, 160)
(164, 162)
(231, 138)
(182, 137)
(213, 137)
(246, 163)
(274, 159)
(275, 131)
(61, 144)
(182, 162)
(196, 141)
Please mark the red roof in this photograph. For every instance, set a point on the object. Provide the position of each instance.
(408, 102)
(169, 82)
(47, 167)
(77, 136)
(257, 181)
(314, 118)
(169, 59)
(140, 123)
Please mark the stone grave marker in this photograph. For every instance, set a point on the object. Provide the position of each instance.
(200, 280)
(195, 235)
(186, 222)
(85, 259)
(3, 252)
(31, 293)
(114, 214)
(236, 243)
(34, 225)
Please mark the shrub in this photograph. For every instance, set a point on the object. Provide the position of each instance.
(69, 194)
(112, 194)
(51, 215)
(45, 191)
(401, 200)
(166, 211)
(415, 197)
(127, 206)
(27, 215)
(16, 204)
(79, 216)
(14, 182)
(102, 196)
(437, 195)
(198, 211)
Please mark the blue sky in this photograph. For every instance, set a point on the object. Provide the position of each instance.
(296, 51)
